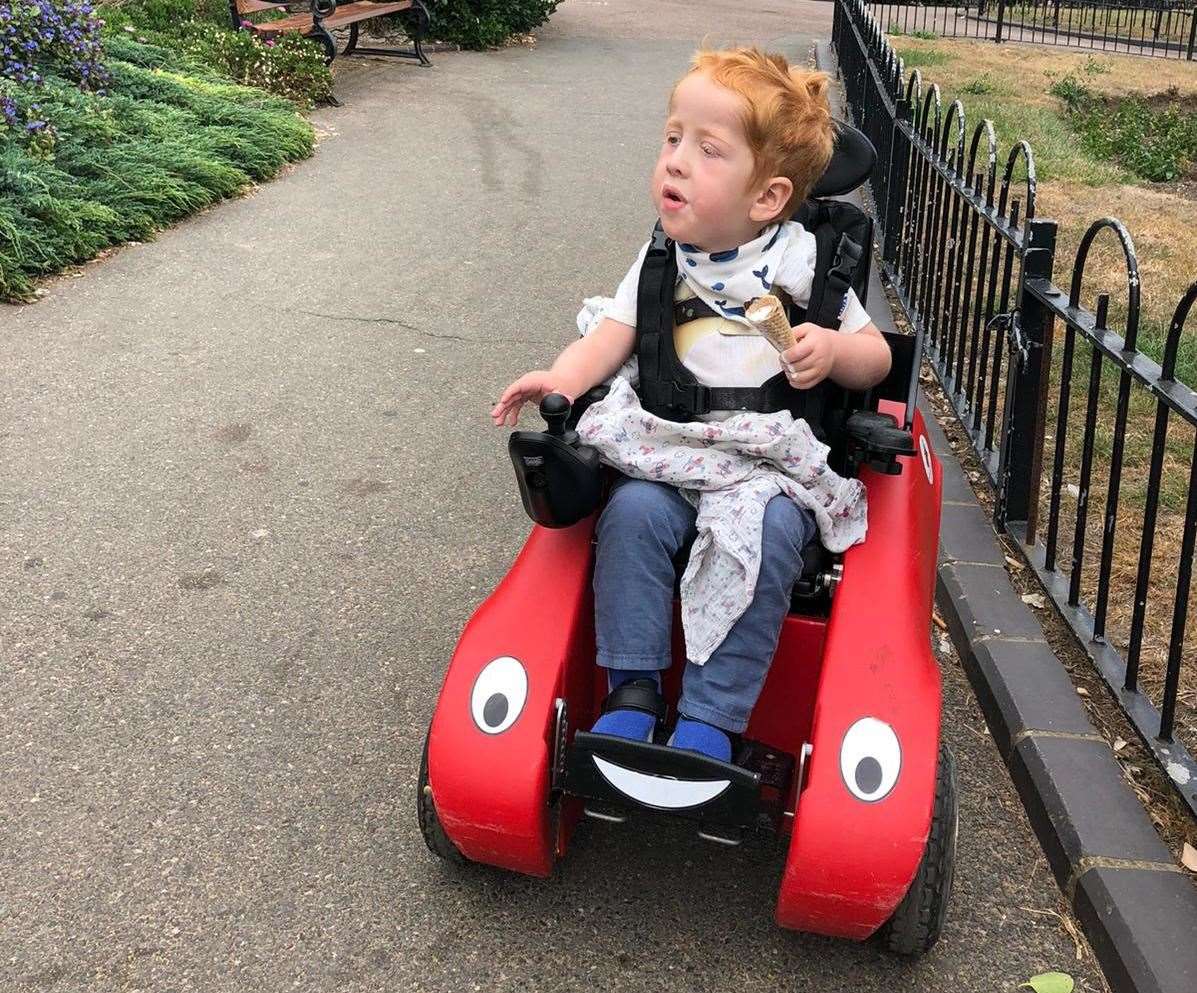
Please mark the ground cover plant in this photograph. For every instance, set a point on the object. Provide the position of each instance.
(1112, 136)
(201, 36)
(106, 143)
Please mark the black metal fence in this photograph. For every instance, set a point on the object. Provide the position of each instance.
(971, 264)
(1163, 28)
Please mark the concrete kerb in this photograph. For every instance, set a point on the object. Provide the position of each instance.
(1137, 908)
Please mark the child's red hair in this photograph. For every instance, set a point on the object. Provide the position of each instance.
(787, 119)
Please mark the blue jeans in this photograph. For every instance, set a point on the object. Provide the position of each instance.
(643, 527)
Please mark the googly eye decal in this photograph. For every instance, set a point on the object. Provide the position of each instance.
(870, 759)
(925, 455)
(499, 694)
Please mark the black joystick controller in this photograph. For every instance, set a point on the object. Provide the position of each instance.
(554, 408)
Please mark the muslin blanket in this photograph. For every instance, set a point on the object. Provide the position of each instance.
(728, 471)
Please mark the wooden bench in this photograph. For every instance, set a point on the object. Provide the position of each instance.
(323, 16)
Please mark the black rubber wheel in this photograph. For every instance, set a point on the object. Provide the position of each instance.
(430, 825)
(916, 925)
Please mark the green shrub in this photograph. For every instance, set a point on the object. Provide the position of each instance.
(485, 23)
(163, 15)
(1155, 143)
(161, 146)
(199, 34)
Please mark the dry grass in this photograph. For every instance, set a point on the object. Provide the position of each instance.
(1027, 71)
(1010, 85)
(1073, 188)
(1105, 22)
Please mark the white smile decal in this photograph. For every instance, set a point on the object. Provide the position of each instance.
(656, 791)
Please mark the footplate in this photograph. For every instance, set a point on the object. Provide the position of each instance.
(617, 773)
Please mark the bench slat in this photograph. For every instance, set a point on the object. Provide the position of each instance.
(253, 6)
(344, 14)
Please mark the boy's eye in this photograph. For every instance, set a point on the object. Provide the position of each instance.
(672, 139)
(710, 150)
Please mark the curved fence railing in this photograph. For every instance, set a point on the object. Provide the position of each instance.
(1161, 28)
(971, 264)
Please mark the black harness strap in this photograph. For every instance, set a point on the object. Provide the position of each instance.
(670, 390)
(654, 298)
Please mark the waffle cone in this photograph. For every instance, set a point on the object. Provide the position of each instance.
(768, 316)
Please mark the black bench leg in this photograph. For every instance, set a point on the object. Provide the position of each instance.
(352, 43)
(415, 52)
(422, 25)
(321, 37)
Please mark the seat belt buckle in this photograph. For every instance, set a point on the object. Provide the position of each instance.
(692, 398)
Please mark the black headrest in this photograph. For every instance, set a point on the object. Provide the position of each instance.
(850, 164)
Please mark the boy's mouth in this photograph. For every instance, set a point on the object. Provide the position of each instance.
(671, 199)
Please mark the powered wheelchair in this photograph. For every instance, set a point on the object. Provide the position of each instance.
(842, 757)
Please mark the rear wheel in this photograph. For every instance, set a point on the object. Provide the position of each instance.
(430, 825)
(918, 922)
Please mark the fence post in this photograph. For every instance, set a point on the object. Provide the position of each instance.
(1020, 459)
(1000, 19)
(1192, 33)
(895, 187)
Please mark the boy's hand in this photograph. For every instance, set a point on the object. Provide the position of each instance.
(530, 387)
(809, 361)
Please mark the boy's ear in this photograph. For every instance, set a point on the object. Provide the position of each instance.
(772, 200)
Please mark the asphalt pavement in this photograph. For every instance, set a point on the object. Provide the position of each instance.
(249, 497)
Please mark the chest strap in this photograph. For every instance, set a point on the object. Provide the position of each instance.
(695, 308)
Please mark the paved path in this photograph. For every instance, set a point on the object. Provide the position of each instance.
(249, 496)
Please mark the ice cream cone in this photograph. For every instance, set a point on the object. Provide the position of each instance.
(768, 316)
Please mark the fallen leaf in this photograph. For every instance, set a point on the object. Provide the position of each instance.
(1049, 982)
(1188, 858)
(1034, 599)
(1081, 691)
(1014, 564)
(939, 621)
(1119, 744)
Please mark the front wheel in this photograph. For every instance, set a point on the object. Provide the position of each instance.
(918, 922)
(435, 838)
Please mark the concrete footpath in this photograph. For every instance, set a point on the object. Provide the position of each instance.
(250, 497)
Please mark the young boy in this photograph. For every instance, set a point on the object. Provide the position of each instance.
(746, 139)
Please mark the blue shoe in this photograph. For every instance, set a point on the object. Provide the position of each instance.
(633, 708)
(706, 739)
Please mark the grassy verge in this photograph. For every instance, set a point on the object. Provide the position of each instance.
(1081, 170)
(1098, 126)
(168, 136)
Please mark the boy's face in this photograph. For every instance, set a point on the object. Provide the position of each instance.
(700, 185)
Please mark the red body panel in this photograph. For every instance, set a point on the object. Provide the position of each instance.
(492, 790)
(850, 861)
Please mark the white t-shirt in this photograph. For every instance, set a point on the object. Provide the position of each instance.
(721, 352)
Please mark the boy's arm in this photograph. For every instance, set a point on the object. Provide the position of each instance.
(585, 363)
(861, 359)
(590, 360)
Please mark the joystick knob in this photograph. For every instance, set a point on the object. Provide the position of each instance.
(554, 408)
